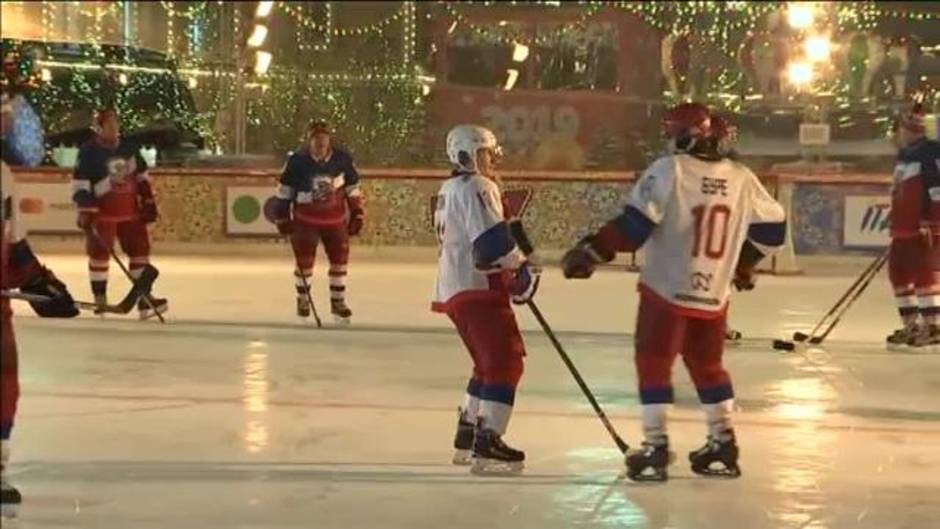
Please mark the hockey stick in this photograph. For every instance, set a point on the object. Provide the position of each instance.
(880, 262)
(313, 308)
(147, 277)
(866, 274)
(621, 444)
(145, 296)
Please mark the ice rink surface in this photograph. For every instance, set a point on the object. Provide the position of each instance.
(233, 415)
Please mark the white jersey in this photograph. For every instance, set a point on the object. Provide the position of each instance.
(703, 212)
(467, 207)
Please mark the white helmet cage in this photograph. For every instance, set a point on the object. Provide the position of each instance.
(463, 142)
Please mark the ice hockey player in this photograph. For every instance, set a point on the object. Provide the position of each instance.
(705, 222)
(914, 259)
(480, 269)
(319, 200)
(111, 189)
(19, 269)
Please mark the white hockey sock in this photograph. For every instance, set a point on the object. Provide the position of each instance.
(718, 418)
(655, 417)
(495, 415)
(907, 304)
(471, 408)
(929, 303)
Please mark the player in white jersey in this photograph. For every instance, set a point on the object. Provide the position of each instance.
(480, 269)
(705, 222)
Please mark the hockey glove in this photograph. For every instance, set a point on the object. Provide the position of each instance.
(581, 261)
(60, 304)
(148, 210)
(86, 219)
(525, 283)
(282, 217)
(356, 221)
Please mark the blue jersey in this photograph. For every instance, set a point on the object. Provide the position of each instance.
(319, 189)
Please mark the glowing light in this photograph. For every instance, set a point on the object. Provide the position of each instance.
(800, 73)
(512, 75)
(193, 82)
(46, 75)
(425, 89)
(258, 35)
(520, 52)
(264, 9)
(262, 62)
(818, 48)
(453, 26)
(800, 15)
(122, 78)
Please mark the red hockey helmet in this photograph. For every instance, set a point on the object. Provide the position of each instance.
(687, 123)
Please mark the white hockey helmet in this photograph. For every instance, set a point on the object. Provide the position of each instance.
(463, 142)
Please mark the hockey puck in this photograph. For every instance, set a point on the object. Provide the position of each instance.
(800, 337)
(783, 345)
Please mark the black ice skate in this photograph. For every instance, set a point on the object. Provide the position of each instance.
(152, 308)
(926, 336)
(8, 494)
(724, 452)
(341, 313)
(303, 307)
(901, 337)
(463, 441)
(493, 457)
(649, 462)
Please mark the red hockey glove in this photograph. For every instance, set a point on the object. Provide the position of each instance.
(148, 210)
(356, 221)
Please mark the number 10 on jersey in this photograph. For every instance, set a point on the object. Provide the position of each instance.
(711, 223)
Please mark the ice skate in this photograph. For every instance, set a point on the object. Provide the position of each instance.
(341, 313)
(101, 305)
(149, 309)
(463, 441)
(303, 307)
(649, 462)
(493, 457)
(9, 495)
(724, 452)
(925, 336)
(901, 337)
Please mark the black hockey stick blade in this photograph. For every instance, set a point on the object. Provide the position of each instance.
(800, 336)
(141, 287)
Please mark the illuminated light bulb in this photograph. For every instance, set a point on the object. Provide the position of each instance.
(800, 15)
(262, 62)
(818, 48)
(800, 73)
(520, 52)
(258, 35)
(512, 75)
(264, 9)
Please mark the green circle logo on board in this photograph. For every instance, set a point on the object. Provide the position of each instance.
(246, 209)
